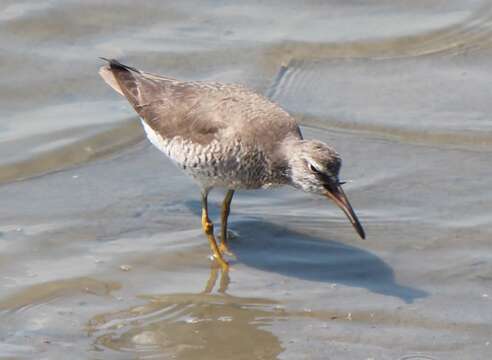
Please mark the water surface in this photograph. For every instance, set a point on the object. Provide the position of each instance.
(101, 252)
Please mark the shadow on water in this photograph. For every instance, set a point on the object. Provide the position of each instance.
(213, 324)
(270, 247)
(274, 248)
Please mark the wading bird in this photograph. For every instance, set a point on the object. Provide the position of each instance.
(228, 136)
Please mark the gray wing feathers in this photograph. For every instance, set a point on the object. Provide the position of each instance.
(200, 112)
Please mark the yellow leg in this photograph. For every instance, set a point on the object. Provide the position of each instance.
(226, 209)
(208, 229)
(211, 280)
(224, 281)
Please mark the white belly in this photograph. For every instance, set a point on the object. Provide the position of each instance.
(155, 138)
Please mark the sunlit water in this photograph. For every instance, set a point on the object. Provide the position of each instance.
(101, 252)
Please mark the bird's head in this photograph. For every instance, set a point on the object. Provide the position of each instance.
(314, 168)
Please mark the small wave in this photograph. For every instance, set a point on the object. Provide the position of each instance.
(466, 33)
(438, 100)
(74, 153)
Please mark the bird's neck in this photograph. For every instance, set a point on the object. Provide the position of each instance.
(289, 155)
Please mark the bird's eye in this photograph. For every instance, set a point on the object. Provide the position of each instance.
(313, 169)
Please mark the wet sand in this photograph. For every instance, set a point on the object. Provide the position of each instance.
(101, 252)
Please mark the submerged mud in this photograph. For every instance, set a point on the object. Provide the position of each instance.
(101, 251)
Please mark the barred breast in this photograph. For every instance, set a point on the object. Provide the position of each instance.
(230, 165)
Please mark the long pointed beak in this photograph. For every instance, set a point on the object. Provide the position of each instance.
(337, 195)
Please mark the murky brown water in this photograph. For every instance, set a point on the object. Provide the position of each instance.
(101, 252)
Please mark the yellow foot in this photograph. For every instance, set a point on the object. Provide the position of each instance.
(224, 249)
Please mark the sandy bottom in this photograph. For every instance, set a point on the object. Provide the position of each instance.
(101, 251)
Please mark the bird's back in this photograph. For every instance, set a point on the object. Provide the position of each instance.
(233, 125)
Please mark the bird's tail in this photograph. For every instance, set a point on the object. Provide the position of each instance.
(115, 64)
(107, 74)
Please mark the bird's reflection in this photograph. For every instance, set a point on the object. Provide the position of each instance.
(210, 324)
(212, 280)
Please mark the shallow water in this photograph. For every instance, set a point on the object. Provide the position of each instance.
(101, 253)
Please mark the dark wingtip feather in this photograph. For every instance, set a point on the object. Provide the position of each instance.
(115, 64)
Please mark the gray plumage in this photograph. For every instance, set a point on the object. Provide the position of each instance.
(227, 135)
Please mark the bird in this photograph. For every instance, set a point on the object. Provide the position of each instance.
(228, 136)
